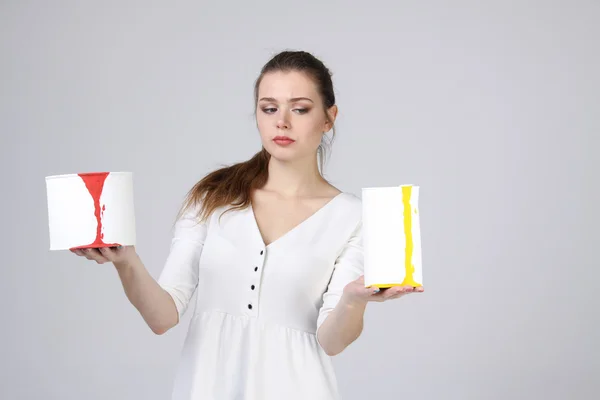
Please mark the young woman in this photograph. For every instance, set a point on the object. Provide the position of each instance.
(273, 252)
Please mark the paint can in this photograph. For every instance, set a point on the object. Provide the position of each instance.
(392, 236)
(90, 210)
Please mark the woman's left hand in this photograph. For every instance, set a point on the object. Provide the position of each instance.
(357, 292)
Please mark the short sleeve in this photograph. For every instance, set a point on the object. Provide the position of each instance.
(349, 266)
(179, 276)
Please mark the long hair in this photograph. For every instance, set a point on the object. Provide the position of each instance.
(233, 185)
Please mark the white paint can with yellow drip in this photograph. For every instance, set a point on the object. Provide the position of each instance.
(392, 236)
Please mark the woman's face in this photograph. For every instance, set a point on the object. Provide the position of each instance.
(290, 115)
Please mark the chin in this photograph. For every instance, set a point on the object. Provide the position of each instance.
(283, 153)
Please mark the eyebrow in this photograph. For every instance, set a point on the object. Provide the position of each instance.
(273, 100)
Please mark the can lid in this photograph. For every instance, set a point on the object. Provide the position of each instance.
(390, 187)
(86, 174)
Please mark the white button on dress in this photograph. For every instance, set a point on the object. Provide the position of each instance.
(252, 335)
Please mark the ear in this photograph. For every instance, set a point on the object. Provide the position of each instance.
(332, 113)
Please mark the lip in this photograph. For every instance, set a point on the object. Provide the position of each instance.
(283, 140)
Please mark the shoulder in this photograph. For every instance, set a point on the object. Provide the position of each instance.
(350, 203)
(346, 223)
(347, 210)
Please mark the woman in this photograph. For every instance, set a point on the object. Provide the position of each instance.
(273, 252)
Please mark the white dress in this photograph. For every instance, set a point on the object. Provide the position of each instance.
(252, 335)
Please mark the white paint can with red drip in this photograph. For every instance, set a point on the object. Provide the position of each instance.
(91, 210)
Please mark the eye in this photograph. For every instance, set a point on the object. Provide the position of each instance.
(269, 110)
(301, 110)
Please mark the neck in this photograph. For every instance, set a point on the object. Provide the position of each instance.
(298, 178)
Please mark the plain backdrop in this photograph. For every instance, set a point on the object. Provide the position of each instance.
(492, 107)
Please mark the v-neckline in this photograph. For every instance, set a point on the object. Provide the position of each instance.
(312, 216)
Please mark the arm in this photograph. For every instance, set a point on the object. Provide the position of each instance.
(343, 325)
(161, 302)
(155, 305)
(340, 320)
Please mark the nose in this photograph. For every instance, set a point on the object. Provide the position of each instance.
(283, 123)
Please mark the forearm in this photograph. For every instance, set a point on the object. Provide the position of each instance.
(154, 304)
(342, 326)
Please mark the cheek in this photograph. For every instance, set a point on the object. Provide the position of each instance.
(262, 124)
(309, 131)
(316, 131)
(311, 140)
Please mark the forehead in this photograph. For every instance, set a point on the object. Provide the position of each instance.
(284, 85)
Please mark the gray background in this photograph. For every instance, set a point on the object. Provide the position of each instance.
(492, 107)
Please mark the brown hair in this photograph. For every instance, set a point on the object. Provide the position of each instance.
(233, 185)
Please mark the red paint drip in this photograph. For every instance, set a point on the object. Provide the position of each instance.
(95, 183)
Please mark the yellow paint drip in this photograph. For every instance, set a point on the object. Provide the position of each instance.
(408, 252)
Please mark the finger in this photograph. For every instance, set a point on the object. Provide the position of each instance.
(393, 293)
(94, 255)
(406, 290)
(380, 295)
(87, 253)
(374, 290)
(397, 296)
(376, 293)
(397, 292)
(78, 252)
(108, 253)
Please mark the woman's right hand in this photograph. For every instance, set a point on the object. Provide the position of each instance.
(117, 255)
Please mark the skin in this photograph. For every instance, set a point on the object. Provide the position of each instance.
(289, 105)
